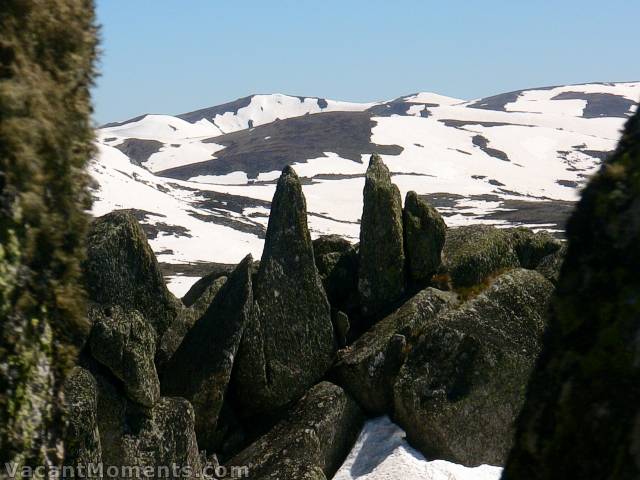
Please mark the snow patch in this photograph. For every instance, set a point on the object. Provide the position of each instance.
(382, 453)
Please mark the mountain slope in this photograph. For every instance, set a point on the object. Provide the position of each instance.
(202, 182)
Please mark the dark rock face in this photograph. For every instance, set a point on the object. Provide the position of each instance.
(46, 139)
(459, 392)
(174, 336)
(337, 263)
(82, 442)
(289, 344)
(381, 274)
(424, 236)
(581, 416)
(472, 253)
(550, 265)
(369, 367)
(126, 344)
(201, 367)
(121, 269)
(200, 287)
(311, 442)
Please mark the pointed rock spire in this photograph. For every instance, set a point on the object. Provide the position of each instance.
(200, 369)
(424, 235)
(381, 276)
(289, 344)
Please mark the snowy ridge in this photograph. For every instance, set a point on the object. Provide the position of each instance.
(202, 182)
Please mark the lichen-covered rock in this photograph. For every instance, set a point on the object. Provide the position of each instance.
(459, 392)
(381, 274)
(163, 436)
(46, 139)
(581, 416)
(166, 438)
(424, 236)
(121, 269)
(368, 368)
(289, 343)
(473, 253)
(82, 440)
(125, 343)
(313, 439)
(550, 265)
(201, 367)
(531, 247)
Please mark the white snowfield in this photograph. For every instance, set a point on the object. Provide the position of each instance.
(480, 162)
(382, 453)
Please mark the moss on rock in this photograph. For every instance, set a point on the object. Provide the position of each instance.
(47, 49)
(472, 253)
(82, 442)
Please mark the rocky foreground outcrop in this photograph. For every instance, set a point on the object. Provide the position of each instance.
(46, 140)
(247, 382)
(581, 418)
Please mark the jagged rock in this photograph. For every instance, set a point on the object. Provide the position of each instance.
(459, 392)
(167, 438)
(310, 442)
(368, 368)
(196, 291)
(381, 273)
(161, 437)
(337, 263)
(82, 441)
(473, 253)
(122, 270)
(424, 235)
(189, 316)
(550, 265)
(331, 244)
(531, 247)
(125, 343)
(342, 326)
(581, 416)
(201, 367)
(289, 344)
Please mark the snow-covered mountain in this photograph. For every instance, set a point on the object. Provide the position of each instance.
(201, 182)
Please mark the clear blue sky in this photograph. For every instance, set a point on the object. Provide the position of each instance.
(173, 56)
